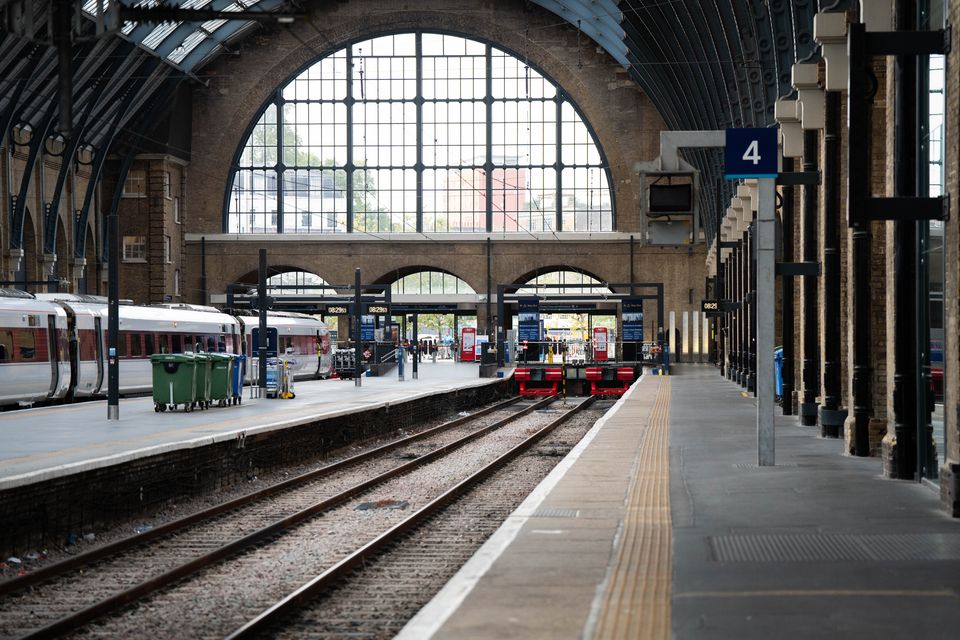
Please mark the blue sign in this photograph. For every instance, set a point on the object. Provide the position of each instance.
(367, 333)
(271, 341)
(751, 153)
(528, 319)
(632, 319)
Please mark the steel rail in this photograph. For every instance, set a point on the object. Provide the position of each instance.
(120, 599)
(109, 550)
(328, 578)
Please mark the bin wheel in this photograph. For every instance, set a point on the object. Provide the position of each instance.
(239, 400)
(156, 408)
(208, 405)
(188, 407)
(162, 407)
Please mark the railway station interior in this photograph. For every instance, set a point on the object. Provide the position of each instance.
(480, 318)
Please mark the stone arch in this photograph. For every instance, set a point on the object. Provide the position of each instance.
(398, 274)
(539, 271)
(622, 117)
(252, 277)
(395, 274)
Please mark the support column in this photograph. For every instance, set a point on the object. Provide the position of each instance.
(753, 256)
(831, 416)
(811, 312)
(765, 237)
(787, 330)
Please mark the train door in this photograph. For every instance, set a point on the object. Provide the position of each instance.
(97, 331)
(54, 353)
(73, 337)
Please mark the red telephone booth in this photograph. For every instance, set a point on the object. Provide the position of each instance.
(468, 344)
(599, 343)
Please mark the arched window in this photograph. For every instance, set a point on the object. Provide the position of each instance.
(301, 280)
(431, 283)
(419, 132)
(573, 281)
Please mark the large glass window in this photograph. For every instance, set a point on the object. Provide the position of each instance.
(431, 283)
(572, 281)
(420, 132)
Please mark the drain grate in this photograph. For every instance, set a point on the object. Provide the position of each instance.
(835, 547)
(747, 465)
(551, 512)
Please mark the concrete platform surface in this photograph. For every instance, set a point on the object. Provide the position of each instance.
(818, 546)
(47, 442)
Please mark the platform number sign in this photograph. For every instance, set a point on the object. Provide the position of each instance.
(751, 153)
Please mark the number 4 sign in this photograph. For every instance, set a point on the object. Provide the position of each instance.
(751, 153)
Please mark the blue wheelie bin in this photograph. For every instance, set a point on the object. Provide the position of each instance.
(239, 367)
(778, 370)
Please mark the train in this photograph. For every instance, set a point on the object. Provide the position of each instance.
(53, 346)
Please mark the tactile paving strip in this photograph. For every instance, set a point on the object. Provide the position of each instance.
(835, 547)
(551, 512)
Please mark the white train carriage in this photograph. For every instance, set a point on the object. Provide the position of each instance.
(86, 324)
(34, 360)
(303, 336)
(167, 328)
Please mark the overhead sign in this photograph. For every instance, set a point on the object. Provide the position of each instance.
(378, 309)
(710, 307)
(751, 153)
(337, 310)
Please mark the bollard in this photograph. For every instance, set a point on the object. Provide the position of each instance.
(401, 356)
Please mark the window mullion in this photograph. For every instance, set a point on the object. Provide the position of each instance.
(558, 166)
(418, 101)
(280, 167)
(488, 165)
(349, 167)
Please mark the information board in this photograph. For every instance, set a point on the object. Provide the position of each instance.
(632, 319)
(528, 319)
(367, 333)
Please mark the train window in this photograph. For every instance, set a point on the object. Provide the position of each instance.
(6, 346)
(148, 347)
(177, 344)
(221, 343)
(88, 344)
(26, 344)
(211, 343)
(188, 343)
(122, 345)
(136, 345)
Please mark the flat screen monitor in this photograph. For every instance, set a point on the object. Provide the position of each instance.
(671, 198)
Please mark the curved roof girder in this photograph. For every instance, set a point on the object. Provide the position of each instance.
(598, 19)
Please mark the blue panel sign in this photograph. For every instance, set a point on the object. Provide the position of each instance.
(528, 319)
(632, 320)
(367, 333)
(751, 153)
(271, 341)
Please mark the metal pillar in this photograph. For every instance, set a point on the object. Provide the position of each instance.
(766, 237)
(744, 315)
(416, 347)
(262, 342)
(811, 312)
(787, 309)
(752, 234)
(831, 417)
(357, 312)
(113, 316)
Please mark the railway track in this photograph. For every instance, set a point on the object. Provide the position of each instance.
(58, 598)
(69, 594)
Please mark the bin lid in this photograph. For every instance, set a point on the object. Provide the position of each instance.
(220, 357)
(172, 357)
(201, 357)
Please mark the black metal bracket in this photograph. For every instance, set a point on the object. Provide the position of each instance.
(728, 244)
(798, 269)
(906, 209)
(728, 305)
(907, 43)
(797, 178)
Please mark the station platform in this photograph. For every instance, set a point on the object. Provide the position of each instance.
(49, 442)
(660, 524)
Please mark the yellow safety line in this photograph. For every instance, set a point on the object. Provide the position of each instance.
(637, 602)
(822, 593)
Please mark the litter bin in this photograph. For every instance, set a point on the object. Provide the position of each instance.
(221, 383)
(202, 381)
(778, 370)
(173, 381)
(236, 378)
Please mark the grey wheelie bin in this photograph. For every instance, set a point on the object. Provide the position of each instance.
(173, 381)
(202, 381)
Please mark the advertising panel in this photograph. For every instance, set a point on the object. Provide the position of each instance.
(632, 319)
(468, 344)
(528, 319)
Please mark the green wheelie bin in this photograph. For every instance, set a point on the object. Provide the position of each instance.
(221, 387)
(173, 381)
(201, 398)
